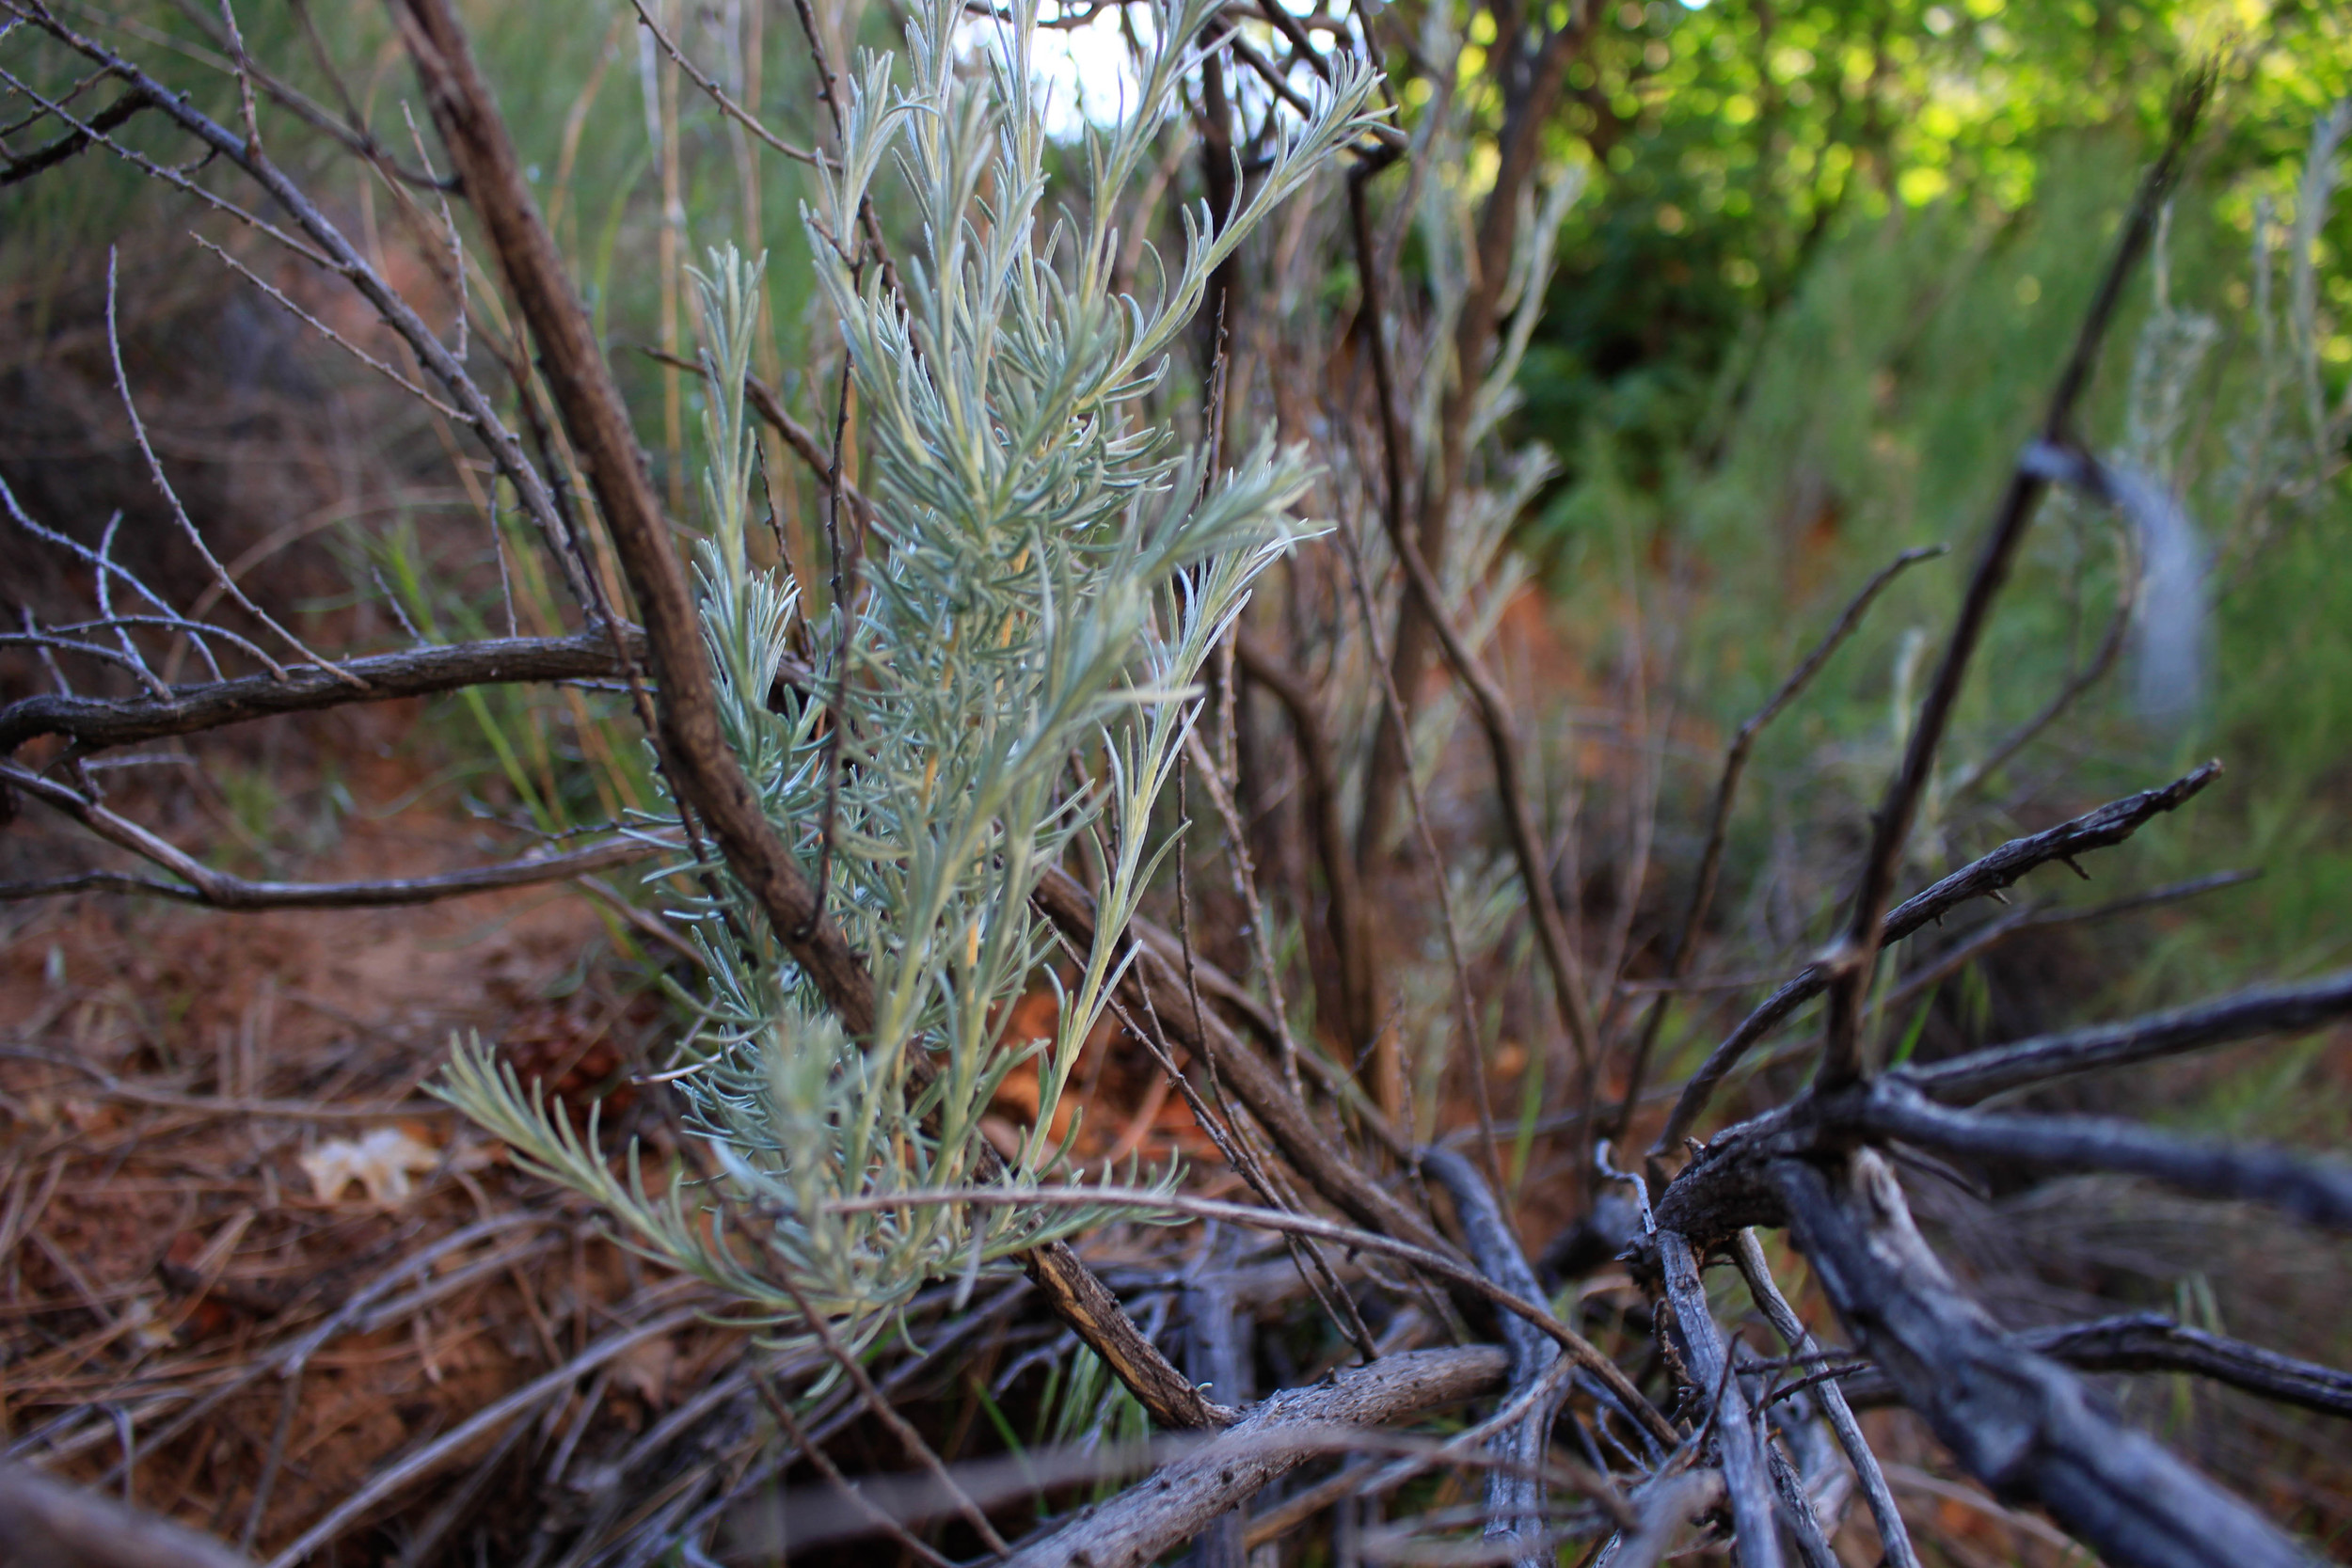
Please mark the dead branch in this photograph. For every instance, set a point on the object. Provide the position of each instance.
(1995, 932)
(94, 724)
(1894, 1535)
(200, 884)
(1176, 1503)
(112, 117)
(2316, 1190)
(2021, 1423)
(2152, 1343)
(2105, 827)
(1515, 1500)
(233, 893)
(1851, 967)
(593, 416)
(1737, 1443)
(1719, 815)
(2266, 1010)
(47, 1524)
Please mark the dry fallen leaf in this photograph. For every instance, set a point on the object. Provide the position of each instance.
(646, 1367)
(380, 1162)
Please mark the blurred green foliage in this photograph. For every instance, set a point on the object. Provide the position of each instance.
(1879, 404)
(1734, 139)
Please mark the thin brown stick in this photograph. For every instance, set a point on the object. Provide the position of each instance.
(95, 723)
(200, 884)
(910, 1441)
(1719, 815)
(1551, 931)
(1246, 1075)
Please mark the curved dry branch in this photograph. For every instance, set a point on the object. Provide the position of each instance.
(94, 724)
(2022, 1424)
(2102, 829)
(1177, 1502)
(1856, 958)
(2267, 1010)
(2152, 1343)
(200, 884)
(47, 1524)
(2314, 1190)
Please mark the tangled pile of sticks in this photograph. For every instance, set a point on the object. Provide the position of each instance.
(1752, 1451)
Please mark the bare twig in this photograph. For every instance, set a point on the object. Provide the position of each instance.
(2150, 1342)
(1738, 1442)
(200, 884)
(2268, 1010)
(430, 1457)
(1852, 966)
(2318, 1191)
(1243, 1072)
(94, 724)
(2110, 825)
(1145, 1521)
(1995, 932)
(718, 94)
(1894, 1536)
(1719, 815)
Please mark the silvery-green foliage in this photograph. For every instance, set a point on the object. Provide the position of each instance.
(1048, 577)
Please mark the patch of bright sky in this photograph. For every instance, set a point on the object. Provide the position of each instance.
(1084, 75)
